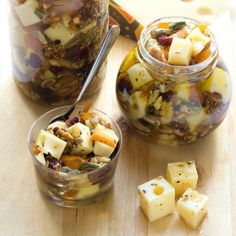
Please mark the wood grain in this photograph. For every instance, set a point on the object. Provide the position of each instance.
(24, 212)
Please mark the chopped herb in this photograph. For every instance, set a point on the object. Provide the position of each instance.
(88, 167)
(177, 25)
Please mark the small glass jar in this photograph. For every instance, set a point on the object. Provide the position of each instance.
(54, 44)
(177, 104)
(71, 189)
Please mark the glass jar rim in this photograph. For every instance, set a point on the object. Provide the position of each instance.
(155, 62)
(29, 141)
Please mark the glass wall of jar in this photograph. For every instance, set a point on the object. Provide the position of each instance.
(54, 44)
(171, 86)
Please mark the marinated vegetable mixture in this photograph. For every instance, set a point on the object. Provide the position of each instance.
(174, 110)
(54, 44)
(179, 43)
(78, 145)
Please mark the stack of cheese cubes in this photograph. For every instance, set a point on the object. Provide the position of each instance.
(157, 196)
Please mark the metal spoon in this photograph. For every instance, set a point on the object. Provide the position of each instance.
(109, 41)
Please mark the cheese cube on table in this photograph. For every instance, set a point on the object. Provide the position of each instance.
(81, 131)
(60, 32)
(105, 141)
(48, 143)
(157, 198)
(180, 52)
(192, 206)
(139, 75)
(199, 41)
(182, 175)
(26, 13)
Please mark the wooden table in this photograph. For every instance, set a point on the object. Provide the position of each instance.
(23, 211)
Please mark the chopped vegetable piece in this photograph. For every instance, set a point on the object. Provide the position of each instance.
(88, 167)
(74, 162)
(177, 25)
(158, 33)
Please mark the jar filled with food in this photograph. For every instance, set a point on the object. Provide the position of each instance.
(172, 87)
(54, 44)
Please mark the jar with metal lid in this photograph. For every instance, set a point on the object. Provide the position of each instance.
(54, 44)
(171, 86)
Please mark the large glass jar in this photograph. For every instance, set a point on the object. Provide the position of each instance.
(54, 44)
(173, 104)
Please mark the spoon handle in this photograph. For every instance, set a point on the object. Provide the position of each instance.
(110, 39)
(108, 42)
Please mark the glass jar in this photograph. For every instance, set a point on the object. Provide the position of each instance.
(173, 104)
(72, 189)
(54, 44)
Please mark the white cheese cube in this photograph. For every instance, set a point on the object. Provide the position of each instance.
(182, 175)
(139, 76)
(102, 149)
(48, 143)
(56, 124)
(40, 158)
(81, 131)
(218, 82)
(60, 32)
(105, 135)
(138, 104)
(199, 41)
(192, 206)
(180, 52)
(196, 119)
(183, 91)
(157, 198)
(26, 14)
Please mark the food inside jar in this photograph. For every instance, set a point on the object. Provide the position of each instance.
(54, 44)
(179, 43)
(167, 109)
(82, 147)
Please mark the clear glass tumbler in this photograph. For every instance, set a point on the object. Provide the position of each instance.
(72, 190)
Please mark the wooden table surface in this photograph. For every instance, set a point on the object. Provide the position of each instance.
(23, 211)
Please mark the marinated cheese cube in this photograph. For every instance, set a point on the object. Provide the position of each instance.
(82, 132)
(199, 41)
(180, 52)
(218, 82)
(105, 141)
(56, 124)
(40, 158)
(139, 76)
(182, 175)
(60, 32)
(157, 198)
(196, 119)
(48, 143)
(138, 104)
(26, 13)
(192, 206)
(102, 149)
(105, 135)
